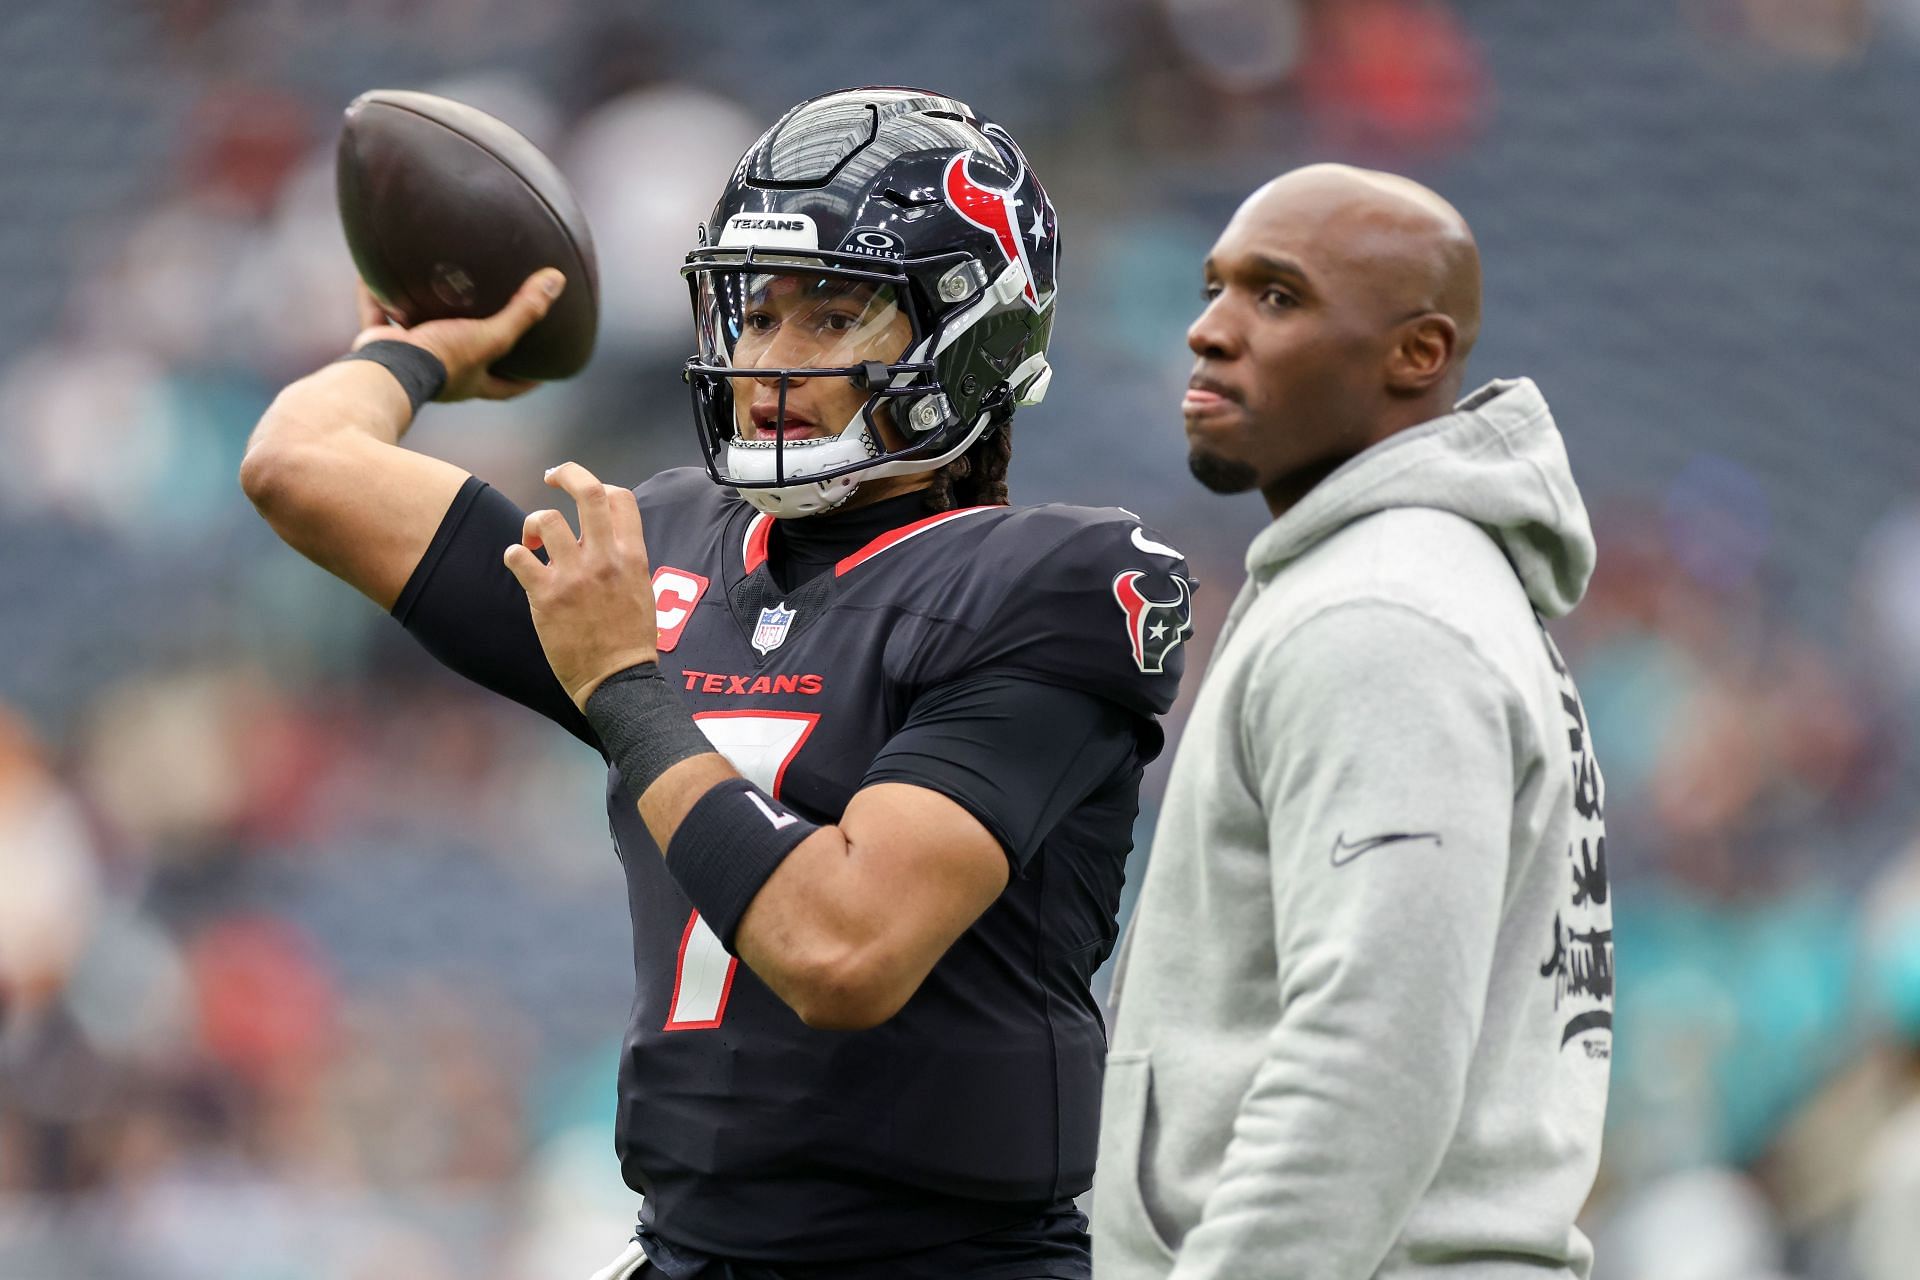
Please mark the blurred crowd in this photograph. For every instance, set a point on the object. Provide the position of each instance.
(313, 962)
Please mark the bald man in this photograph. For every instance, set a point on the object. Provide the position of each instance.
(1365, 1005)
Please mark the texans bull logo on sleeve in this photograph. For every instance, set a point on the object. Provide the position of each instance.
(1155, 628)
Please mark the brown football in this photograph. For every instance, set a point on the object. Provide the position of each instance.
(447, 211)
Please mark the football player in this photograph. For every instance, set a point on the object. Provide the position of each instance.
(887, 729)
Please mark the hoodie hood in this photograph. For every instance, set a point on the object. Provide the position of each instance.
(1496, 460)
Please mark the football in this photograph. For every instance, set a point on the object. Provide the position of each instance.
(447, 210)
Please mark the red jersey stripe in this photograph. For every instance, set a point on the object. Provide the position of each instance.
(753, 553)
(900, 535)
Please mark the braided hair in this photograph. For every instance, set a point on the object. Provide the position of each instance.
(978, 477)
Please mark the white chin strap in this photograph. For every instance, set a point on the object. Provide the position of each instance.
(754, 460)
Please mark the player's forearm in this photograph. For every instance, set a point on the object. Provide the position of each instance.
(817, 931)
(356, 396)
(309, 424)
(325, 469)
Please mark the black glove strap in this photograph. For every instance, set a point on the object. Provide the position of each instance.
(643, 726)
(420, 372)
(733, 838)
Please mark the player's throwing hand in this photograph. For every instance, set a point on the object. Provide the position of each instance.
(593, 598)
(469, 347)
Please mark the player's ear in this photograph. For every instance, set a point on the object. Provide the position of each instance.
(1421, 353)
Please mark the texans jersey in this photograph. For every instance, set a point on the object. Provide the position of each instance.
(750, 1134)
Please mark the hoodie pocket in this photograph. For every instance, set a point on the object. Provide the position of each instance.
(1123, 1230)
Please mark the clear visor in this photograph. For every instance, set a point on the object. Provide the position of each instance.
(797, 321)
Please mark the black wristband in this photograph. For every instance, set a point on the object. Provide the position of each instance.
(732, 839)
(643, 727)
(420, 372)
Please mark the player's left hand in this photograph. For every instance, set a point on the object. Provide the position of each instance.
(593, 598)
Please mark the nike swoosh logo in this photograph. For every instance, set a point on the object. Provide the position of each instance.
(1343, 853)
(1148, 545)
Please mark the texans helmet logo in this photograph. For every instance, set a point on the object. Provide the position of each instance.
(996, 211)
(1155, 628)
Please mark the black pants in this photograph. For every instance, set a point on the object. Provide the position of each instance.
(1053, 1246)
(760, 1271)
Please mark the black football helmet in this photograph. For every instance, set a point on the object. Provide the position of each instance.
(928, 226)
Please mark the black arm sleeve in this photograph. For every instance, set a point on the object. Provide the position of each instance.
(1015, 752)
(465, 608)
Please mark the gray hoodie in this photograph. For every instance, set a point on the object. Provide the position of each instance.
(1364, 1009)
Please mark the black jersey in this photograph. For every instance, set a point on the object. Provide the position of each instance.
(1013, 659)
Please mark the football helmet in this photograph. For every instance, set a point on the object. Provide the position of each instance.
(886, 236)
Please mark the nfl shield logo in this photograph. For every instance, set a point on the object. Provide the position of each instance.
(773, 628)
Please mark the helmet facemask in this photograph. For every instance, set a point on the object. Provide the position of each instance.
(769, 323)
(796, 361)
(920, 222)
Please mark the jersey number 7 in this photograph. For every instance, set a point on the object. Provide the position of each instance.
(760, 744)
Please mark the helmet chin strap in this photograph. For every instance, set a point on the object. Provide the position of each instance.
(810, 498)
(795, 500)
